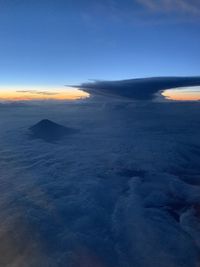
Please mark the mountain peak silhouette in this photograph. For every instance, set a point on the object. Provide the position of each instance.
(49, 131)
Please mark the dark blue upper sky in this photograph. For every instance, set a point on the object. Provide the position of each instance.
(54, 42)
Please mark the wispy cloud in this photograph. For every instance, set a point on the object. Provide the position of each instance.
(142, 12)
(37, 92)
(181, 6)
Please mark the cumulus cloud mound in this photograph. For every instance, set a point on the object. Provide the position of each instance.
(139, 89)
(49, 131)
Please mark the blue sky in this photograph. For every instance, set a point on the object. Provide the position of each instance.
(66, 42)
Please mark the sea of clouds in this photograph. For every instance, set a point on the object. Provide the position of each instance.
(123, 191)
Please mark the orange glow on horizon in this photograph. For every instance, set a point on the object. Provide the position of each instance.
(184, 94)
(24, 94)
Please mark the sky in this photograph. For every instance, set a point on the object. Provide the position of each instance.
(53, 43)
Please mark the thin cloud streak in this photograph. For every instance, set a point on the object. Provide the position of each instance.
(37, 92)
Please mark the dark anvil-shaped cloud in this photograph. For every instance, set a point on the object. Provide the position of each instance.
(139, 89)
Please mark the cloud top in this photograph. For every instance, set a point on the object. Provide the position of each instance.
(139, 89)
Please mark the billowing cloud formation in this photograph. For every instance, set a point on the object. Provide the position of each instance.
(140, 89)
(183, 6)
(124, 191)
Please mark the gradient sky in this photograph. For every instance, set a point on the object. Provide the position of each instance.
(57, 42)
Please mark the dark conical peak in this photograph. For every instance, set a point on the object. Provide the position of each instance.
(49, 130)
(47, 123)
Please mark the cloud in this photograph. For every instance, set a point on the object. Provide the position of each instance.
(142, 12)
(37, 92)
(105, 197)
(180, 6)
(139, 89)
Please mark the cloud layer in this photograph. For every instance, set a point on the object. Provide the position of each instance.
(123, 191)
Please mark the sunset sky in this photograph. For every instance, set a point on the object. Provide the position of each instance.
(25, 93)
